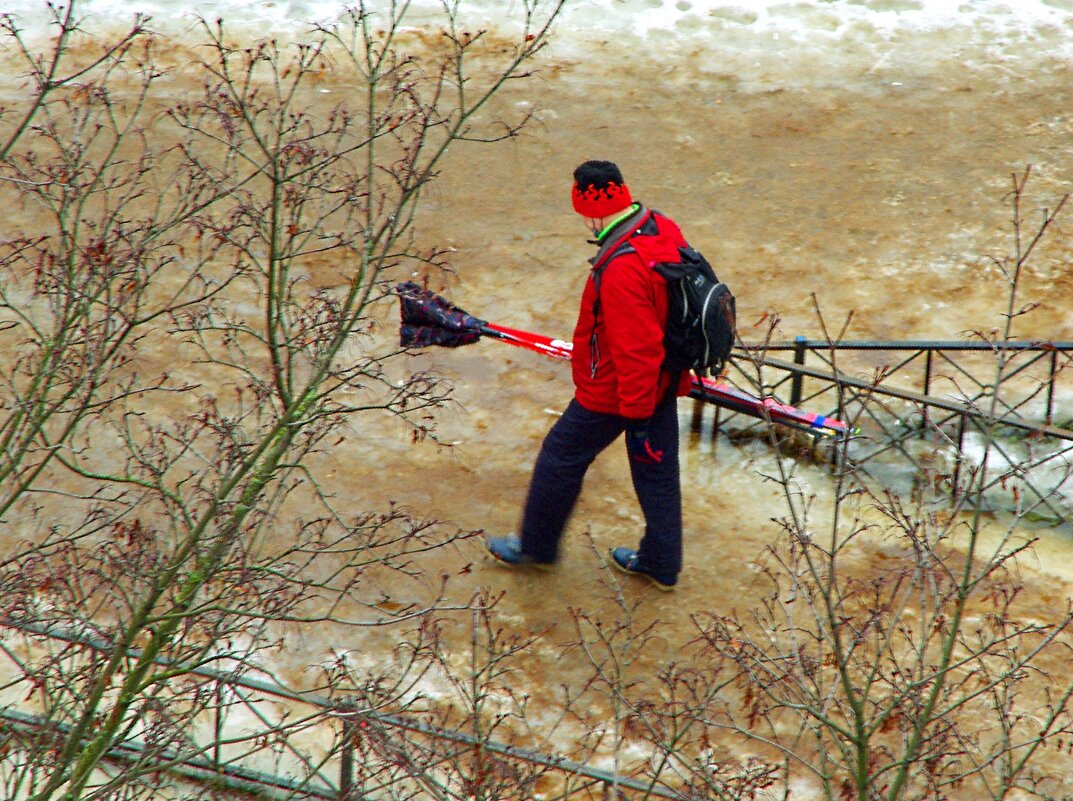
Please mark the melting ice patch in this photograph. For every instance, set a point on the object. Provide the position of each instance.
(1035, 469)
(764, 44)
(847, 24)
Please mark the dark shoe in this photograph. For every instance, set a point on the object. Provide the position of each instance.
(508, 550)
(627, 560)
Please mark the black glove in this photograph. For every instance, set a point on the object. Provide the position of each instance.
(640, 447)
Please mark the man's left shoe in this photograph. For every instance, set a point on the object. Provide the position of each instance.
(628, 561)
(508, 550)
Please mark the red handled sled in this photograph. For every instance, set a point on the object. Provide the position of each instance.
(428, 319)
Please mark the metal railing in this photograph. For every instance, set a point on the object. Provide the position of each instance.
(937, 393)
(338, 722)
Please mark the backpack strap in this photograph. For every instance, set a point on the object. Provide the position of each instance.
(646, 227)
(597, 272)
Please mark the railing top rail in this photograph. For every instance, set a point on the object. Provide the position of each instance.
(342, 711)
(953, 406)
(241, 780)
(908, 344)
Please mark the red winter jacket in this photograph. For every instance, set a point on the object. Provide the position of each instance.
(618, 348)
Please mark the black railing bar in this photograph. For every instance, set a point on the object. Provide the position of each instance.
(398, 742)
(1041, 386)
(942, 421)
(892, 440)
(1036, 461)
(915, 397)
(583, 787)
(928, 364)
(1036, 357)
(889, 370)
(1053, 495)
(747, 375)
(1007, 376)
(861, 472)
(868, 398)
(830, 386)
(868, 402)
(886, 433)
(889, 427)
(1032, 463)
(1031, 510)
(906, 344)
(887, 448)
(302, 758)
(879, 448)
(1007, 408)
(435, 759)
(1027, 356)
(336, 709)
(1044, 499)
(1016, 409)
(1023, 480)
(959, 368)
(1004, 474)
(827, 387)
(897, 367)
(195, 768)
(391, 780)
(886, 374)
(760, 386)
(1052, 369)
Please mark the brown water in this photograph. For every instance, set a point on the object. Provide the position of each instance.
(882, 201)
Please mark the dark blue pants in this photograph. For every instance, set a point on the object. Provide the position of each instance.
(571, 445)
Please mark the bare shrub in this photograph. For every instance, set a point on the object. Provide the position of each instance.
(189, 305)
(923, 672)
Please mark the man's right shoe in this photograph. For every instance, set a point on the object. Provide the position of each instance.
(508, 550)
(628, 561)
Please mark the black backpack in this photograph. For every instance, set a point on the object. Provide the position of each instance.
(700, 316)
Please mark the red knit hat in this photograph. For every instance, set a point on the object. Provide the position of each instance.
(599, 190)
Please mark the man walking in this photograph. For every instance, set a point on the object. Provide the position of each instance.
(620, 386)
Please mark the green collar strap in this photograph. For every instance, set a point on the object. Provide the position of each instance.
(607, 229)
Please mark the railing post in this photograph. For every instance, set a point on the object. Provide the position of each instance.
(218, 727)
(346, 766)
(799, 358)
(924, 416)
(957, 460)
(346, 755)
(1050, 386)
